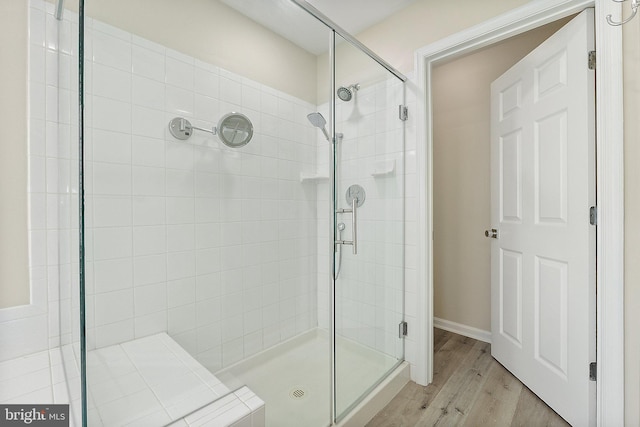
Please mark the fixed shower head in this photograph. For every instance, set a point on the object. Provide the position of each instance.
(318, 121)
(346, 93)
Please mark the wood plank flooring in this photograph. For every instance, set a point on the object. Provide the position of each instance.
(470, 389)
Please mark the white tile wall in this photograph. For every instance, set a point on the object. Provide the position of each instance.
(190, 237)
(26, 376)
(50, 376)
(52, 319)
(17, 323)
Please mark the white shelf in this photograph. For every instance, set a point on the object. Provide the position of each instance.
(384, 168)
(308, 177)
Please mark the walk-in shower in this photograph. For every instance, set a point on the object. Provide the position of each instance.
(216, 278)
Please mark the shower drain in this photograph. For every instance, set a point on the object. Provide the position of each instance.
(297, 393)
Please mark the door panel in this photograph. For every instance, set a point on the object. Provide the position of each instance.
(369, 284)
(511, 296)
(543, 184)
(550, 286)
(550, 145)
(511, 176)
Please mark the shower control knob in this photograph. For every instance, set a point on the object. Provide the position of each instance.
(355, 192)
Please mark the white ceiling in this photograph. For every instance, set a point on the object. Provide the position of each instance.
(291, 22)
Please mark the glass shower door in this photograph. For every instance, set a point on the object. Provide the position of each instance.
(369, 225)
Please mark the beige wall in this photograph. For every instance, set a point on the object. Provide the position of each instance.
(217, 34)
(425, 21)
(461, 173)
(14, 277)
(631, 37)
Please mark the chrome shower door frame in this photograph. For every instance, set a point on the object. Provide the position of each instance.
(334, 210)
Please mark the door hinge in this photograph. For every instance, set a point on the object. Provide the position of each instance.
(403, 112)
(593, 215)
(593, 371)
(592, 60)
(402, 329)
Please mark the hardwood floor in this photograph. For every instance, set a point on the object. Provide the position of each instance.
(469, 389)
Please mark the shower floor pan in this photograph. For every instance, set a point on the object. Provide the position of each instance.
(293, 380)
(153, 381)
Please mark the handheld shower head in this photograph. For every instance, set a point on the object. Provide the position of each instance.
(319, 121)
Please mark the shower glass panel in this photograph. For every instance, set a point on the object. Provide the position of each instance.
(208, 273)
(369, 202)
(202, 259)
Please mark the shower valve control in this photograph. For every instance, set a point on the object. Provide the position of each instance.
(355, 192)
(355, 197)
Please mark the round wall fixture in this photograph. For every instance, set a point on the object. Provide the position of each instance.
(357, 193)
(235, 130)
(181, 128)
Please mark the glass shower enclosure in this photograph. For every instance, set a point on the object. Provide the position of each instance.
(368, 206)
(243, 214)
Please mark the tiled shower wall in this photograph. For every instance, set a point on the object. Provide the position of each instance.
(215, 245)
(52, 226)
(51, 320)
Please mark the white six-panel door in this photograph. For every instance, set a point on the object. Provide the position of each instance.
(543, 184)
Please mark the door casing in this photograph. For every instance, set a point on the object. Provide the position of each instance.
(609, 183)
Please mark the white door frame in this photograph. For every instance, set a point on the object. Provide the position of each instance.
(609, 182)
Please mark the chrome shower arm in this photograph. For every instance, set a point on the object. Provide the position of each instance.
(59, 9)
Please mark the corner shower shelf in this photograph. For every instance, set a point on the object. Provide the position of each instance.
(384, 168)
(315, 177)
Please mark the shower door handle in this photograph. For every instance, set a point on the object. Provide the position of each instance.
(354, 226)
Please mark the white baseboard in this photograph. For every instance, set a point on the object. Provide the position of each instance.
(459, 328)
